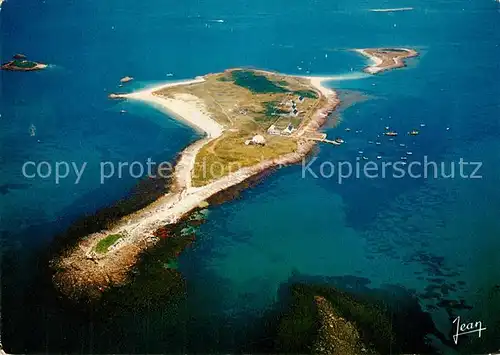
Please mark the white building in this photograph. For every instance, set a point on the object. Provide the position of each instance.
(256, 140)
(273, 130)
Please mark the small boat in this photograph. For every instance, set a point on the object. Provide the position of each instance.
(414, 132)
(386, 128)
(391, 134)
(365, 158)
(409, 153)
(378, 143)
(123, 111)
(402, 145)
(379, 157)
(447, 128)
(339, 140)
(404, 158)
(347, 129)
(360, 152)
(422, 125)
(370, 142)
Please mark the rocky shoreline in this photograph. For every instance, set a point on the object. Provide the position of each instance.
(20, 62)
(81, 273)
(386, 58)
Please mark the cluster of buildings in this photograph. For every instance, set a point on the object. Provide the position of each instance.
(273, 130)
(294, 112)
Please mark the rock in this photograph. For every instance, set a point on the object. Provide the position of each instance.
(259, 140)
(336, 336)
(203, 204)
(126, 79)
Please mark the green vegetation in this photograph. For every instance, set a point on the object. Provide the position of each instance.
(306, 93)
(23, 64)
(155, 284)
(224, 78)
(229, 153)
(272, 109)
(256, 83)
(336, 336)
(106, 242)
(246, 102)
(299, 326)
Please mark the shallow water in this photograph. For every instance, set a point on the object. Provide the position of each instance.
(418, 233)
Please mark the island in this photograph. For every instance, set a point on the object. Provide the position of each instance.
(20, 63)
(252, 121)
(386, 58)
(126, 79)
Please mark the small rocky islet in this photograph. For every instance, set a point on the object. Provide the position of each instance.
(20, 62)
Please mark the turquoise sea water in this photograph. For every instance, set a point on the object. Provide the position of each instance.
(436, 237)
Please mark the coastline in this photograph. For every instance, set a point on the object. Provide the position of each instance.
(11, 67)
(192, 113)
(375, 62)
(84, 272)
(381, 62)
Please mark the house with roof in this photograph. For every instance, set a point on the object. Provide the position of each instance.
(288, 130)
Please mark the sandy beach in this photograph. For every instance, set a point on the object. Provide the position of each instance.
(89, 271)
(376, 61)
(188, 109)
(383, 59)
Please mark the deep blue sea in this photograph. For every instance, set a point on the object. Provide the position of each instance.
(438, 238)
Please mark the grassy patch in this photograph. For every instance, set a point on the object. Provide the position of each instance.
(224, 78)
(246, 102)
(256, 83)
(23, 64)
(273, 109)
(229, 153)
(105, 243)
(306, 93)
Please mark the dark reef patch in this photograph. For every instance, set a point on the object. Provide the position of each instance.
(6, 188)
(144, 193)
